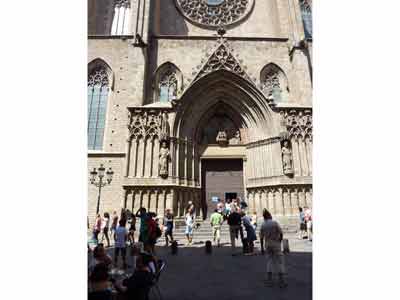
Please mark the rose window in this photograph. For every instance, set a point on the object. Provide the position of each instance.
(215, 13)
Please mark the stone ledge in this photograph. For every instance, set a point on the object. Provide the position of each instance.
(106, 154)
(281, 180)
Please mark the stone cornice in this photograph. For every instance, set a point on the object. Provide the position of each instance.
(268, 141)
(281, 181)
(214, 38)
(106, 154)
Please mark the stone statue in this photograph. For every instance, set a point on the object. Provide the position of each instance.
(236, 139)
(221, 137)
(287, 158)
(164, 134)
(163, 160)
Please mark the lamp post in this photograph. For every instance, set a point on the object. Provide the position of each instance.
(101, 171)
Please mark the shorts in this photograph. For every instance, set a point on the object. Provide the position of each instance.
(168, 230)
(303, 226)
(189, 230)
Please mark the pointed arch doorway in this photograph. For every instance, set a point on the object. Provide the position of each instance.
(217, 117)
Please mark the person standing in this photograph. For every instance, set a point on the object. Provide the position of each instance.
(189, 220)
(254, 220)
(168, 225)
(97, 228)
(99, 284)
(132, 229)
(308, 220)
(302, 222)
(114, 222)
(143, 231)
(106, 228)
(250, 231)
(271, 235)
(234, 222)
(120, 237)
(216, 220)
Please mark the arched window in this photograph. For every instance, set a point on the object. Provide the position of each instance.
(306, 14)
(274, 83)
(167, 86)
(122, 17)
(168, 82)
(98, 88)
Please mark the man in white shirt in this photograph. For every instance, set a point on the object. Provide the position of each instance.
(271, 235)
(120, 237)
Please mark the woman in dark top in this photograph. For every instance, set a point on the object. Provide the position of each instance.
(100, 286)
(168, 225)
(138, 285)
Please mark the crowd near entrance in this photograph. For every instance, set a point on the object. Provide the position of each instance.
(222, 180)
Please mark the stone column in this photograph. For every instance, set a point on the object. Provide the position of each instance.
(185, 161)
(264, 200)
(295, 200)
(303, 155)
(128, 156)
(180, 203)
(172, 169)
(129, 199)
(152, 159)
(178, 158)
(271, 204)
(286, 202)
(309, 155)
(169, 199)
(278, 202)
(296, 157)
(135, 159)
(302, 197)
(309, 197)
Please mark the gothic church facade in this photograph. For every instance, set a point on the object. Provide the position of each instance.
(200, 100)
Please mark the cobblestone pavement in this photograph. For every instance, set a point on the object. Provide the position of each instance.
(193, 275)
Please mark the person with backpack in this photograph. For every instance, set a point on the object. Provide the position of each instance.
(250, 232)
(153, 231)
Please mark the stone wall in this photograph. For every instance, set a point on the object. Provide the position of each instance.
(280, 200)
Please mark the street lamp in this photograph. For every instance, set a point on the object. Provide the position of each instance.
(100, 183)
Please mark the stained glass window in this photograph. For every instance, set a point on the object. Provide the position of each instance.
(307, 18)
(168, 86)
(98, 87)
(272, 85)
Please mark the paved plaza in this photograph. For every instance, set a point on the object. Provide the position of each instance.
(196, 276)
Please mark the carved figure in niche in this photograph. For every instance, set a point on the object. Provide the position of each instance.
(236, 139)
(287, 160)
(164, 134)
(222, 137)
(163, 160)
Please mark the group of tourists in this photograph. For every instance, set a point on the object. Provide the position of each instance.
(102, 284)
(142, 252)
(144, 263)
(305, 219)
